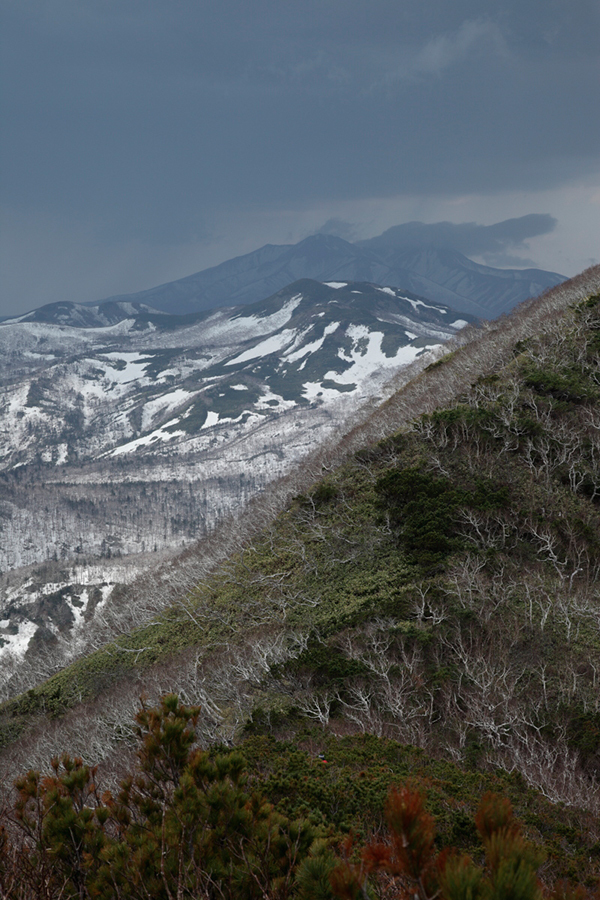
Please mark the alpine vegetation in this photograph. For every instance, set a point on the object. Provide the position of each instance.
(421, 600)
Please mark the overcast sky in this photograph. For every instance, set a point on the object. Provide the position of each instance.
(144, 140)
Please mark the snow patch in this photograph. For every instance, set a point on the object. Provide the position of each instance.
(159, 435)
(220, 329)
(135, 363)
(160, 404)
(212, 418)
(63, 454)
(313, 390)
(367, 357)
(313, 346)
(416, 303)
(78, 612)
(263, 402)
(17, 644)
(273, 344)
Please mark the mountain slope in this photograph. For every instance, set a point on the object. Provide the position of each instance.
(444, 276)
(130, 375)
(139, 436)
(464, 285)
(440, 587)
(78, 316)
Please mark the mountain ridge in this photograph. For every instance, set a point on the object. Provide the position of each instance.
(441, 274)
(479, 356)
(129, 431)
(425, 588)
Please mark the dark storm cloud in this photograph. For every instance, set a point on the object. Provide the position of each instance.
(155, 121)
(148, 115)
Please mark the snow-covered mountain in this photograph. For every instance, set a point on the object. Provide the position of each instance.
(97, 315)
(125, 430)
(152, 384)
(442, 274)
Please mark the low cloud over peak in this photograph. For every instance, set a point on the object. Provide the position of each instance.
(493, 242)
(339, 228)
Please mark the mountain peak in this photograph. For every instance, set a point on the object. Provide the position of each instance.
(324, 240)
(442, 274)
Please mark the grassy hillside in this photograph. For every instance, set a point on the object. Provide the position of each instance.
(438, 589)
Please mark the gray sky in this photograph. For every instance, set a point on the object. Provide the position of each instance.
(147, 139)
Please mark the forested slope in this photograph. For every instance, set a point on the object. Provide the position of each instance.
(438, 588)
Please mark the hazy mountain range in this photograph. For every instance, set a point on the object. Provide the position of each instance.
(443, 275)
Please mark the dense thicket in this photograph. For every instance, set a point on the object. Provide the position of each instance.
(188, 823)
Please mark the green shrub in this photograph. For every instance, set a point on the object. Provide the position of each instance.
(425, 507)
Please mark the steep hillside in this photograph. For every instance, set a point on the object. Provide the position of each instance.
(444, 275)
(126, 431)
(438, 589)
